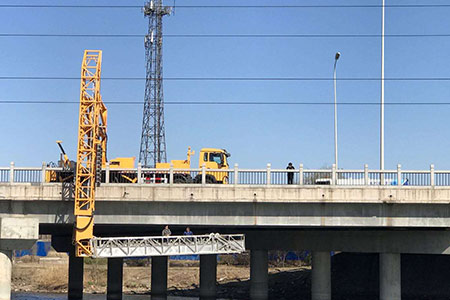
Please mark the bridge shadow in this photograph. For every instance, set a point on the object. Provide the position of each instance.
(63, 215)
(354, 276)
(289, 284)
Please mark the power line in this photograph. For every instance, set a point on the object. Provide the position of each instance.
(52, 35)
(233, 78)
(228, 6)
(234, 103)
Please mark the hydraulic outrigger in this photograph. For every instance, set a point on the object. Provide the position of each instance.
(91, 155)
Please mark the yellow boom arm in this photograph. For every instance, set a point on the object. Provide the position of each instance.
(91, 150)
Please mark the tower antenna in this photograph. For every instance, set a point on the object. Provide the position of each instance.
(153, 137)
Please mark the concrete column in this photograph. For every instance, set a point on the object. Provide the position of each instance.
(208, 274)
(321, 276)
(159, 277)
(5, 274)
(390, 276)
(76, 265)
(115, 279)
(259, 277)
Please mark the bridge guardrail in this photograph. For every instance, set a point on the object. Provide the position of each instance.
(237, 176)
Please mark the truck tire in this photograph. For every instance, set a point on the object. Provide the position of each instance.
(179, 178)
(210, 179)
(198, 178)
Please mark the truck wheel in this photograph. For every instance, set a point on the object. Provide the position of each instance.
(198, 178)
(210, 179)
(188, 178)
(179, 178)
(225, 180)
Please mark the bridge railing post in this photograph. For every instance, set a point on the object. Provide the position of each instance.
(333, 174)
(268, 171)
(366, 174)
(139, 173)
(432, 175)
(236, 174)
(11, 172)
(300, 174)
(107, 173)
(171, 174)
(203, 174)
(44, 170)
(399, 174)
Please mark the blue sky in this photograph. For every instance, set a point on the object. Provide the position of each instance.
(255, 135)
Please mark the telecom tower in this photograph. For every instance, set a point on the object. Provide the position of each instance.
(153, 138)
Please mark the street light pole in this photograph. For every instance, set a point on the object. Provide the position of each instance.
(338, 54)
(382, 91)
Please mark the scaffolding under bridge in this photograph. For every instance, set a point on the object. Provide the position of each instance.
(213, 243)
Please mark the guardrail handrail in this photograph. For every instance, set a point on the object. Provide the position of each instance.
(241, 176)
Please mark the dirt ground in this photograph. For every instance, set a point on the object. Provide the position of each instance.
(50, 275)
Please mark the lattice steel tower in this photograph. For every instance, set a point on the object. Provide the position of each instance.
(153, 138)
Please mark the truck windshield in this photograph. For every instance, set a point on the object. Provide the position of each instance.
(216, 157)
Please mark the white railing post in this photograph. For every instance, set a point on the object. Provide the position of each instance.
(171, 174)
(204, 174)
(44, 170)
(300, 174)
(11, 172)
(333, 174)
(107, 174)
(139, 173)
(366, 174)
(399, 174)
(268, 174)
(432, 175)
(236, 174)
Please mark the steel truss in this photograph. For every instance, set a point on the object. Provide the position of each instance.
(91, 143)
(153, 138)
(213, 243)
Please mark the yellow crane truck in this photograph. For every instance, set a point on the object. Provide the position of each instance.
(211, 158)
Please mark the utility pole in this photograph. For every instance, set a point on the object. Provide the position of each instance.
(153, 138)
(382, 91)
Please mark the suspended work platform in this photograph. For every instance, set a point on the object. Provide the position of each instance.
(213, 243)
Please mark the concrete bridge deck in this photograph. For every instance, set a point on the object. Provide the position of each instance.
(227, 205)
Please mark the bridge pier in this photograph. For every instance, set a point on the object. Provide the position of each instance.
(15, 233)
(159, 277)
(259, 277)
(390, 276)
(5, 274)
(76, 269)
(208, 276)
(321, 276)
(115, 279)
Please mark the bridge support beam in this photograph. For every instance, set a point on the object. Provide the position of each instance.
(159, 277)
(208, 276)
(259, 277)
(321, 276)
(390, 276)
(115, 279)
(5, 274)
(76, 268)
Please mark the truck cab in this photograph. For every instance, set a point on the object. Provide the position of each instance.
(214, 158)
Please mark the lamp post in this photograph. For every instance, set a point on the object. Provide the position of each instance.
(336, 58)
(382, 91)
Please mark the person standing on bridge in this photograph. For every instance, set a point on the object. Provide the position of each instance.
(188, 231)
(290, 174)
(166, 231)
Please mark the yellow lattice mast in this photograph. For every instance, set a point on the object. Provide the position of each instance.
(91, 150)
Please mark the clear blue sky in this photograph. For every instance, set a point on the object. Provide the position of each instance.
(255, 135)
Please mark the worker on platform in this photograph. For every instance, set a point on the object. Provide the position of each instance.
(188, 231)
(290, 175)
(166, 231)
